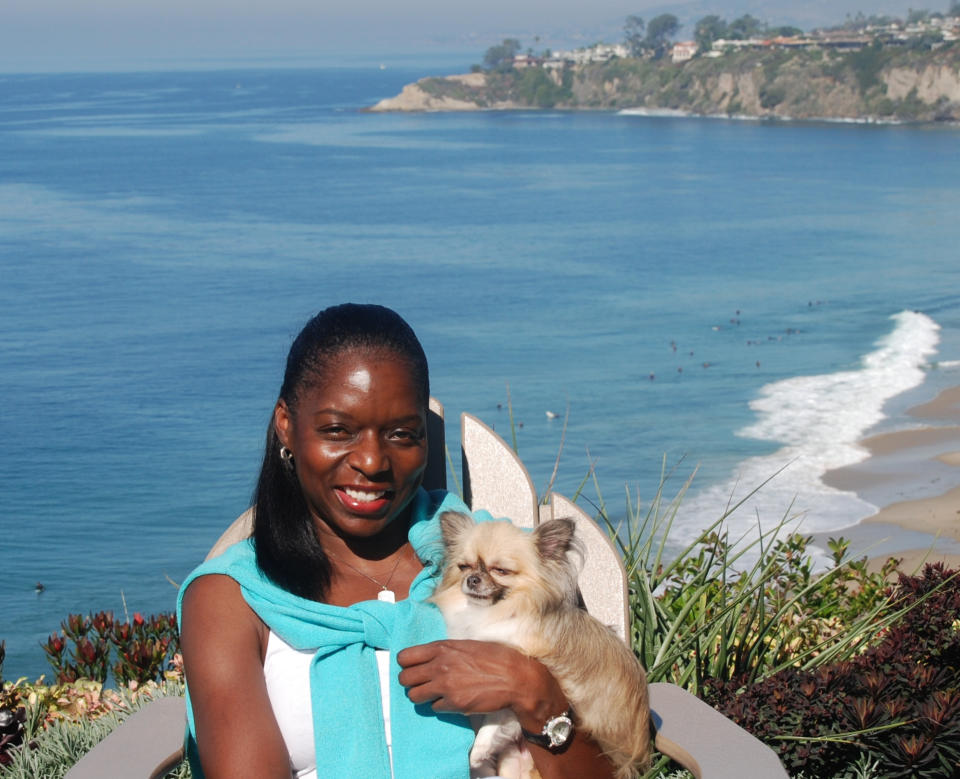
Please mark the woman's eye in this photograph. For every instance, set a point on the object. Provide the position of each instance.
(411, 436)
(334, 431)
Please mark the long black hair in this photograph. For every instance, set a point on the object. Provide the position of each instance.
(288, 550)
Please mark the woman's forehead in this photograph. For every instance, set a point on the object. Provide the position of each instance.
(359, 373)
(358, 377)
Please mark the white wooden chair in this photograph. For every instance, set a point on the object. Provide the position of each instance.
(696, 736)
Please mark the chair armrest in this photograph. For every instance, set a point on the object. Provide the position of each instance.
(148, 744)
(706, 743)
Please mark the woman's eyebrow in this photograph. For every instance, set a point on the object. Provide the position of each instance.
(339, 412)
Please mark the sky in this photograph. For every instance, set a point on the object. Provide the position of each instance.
(77, 34)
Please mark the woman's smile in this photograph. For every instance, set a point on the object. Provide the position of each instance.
(364, 501)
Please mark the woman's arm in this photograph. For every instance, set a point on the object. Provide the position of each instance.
(477, 677)
(222, 642)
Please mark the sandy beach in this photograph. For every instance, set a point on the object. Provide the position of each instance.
(914, 475)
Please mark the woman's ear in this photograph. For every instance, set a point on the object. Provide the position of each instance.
(282, 422)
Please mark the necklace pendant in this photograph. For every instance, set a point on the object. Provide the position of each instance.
(387, 596)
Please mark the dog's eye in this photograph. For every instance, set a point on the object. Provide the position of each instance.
(464, 566)
(501, 571)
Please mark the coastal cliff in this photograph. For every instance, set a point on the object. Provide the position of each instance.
(883, 84)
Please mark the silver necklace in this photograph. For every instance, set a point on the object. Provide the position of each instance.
(384, 586)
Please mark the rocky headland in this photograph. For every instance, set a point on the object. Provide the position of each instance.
(873, 84)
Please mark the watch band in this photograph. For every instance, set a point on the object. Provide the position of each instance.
(556, 733)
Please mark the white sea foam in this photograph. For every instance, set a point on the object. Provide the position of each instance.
(666, 112)
(819, 421)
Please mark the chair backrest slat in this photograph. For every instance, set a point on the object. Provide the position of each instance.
(435, 476)
(603, 580)
(494, 479)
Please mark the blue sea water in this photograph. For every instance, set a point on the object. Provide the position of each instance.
(733, 296)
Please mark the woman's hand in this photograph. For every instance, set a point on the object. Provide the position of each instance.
(477, 677)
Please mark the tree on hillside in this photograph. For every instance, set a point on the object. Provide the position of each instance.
(659, 32)
(860, 21)
(633, 34)
(709, 29)
(500, 58)
(745, 27)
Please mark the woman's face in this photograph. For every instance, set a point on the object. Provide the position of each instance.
(359, 442)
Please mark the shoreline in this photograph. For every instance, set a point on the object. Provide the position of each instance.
(913, 475)
(413, 98)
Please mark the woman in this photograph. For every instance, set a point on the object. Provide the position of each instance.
(280, 633)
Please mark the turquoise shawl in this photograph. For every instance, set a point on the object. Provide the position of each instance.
(344, 686)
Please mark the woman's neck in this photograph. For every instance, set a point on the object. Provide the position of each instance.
(363, 568)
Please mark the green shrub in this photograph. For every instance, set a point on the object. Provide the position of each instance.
(772, 96)
(535, 87)
(12, 717)
(866, 64)
(51, 747)
(885, 107)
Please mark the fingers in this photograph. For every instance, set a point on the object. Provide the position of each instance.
(427, 676)
(471, 677)
(415, 655)
(416, 677)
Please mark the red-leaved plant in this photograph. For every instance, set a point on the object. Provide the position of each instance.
(898, 701)
(140, 649)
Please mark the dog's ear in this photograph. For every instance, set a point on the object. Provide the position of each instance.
(554, 537)
(454, 526)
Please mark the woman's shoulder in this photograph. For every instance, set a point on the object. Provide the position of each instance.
(212, 594)
(214, 611)
(237, 562)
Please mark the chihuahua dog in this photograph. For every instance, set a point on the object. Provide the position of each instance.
(503, 584)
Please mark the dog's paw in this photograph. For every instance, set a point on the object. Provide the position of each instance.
(482, 765)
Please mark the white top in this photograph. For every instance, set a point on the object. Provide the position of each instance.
(287, 673)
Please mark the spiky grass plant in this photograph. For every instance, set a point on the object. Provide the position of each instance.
(741, 609)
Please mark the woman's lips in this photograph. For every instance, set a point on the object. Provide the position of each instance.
(360, 501)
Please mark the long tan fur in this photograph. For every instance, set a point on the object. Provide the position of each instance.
(503, 584)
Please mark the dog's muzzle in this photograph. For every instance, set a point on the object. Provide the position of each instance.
(481, 586)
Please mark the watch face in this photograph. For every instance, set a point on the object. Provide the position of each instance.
(559, 730)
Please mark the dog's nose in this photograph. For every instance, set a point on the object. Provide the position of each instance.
(473, 581)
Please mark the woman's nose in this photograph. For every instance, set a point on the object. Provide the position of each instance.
(368, 456)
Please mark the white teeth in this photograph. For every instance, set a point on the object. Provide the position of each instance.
(363, 495)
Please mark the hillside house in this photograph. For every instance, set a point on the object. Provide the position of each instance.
(683, 51)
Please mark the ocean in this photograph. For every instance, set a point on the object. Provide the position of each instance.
(739, 299)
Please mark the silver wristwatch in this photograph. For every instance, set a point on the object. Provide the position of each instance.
(556, 733)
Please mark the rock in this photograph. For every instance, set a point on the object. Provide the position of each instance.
(414, 98)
